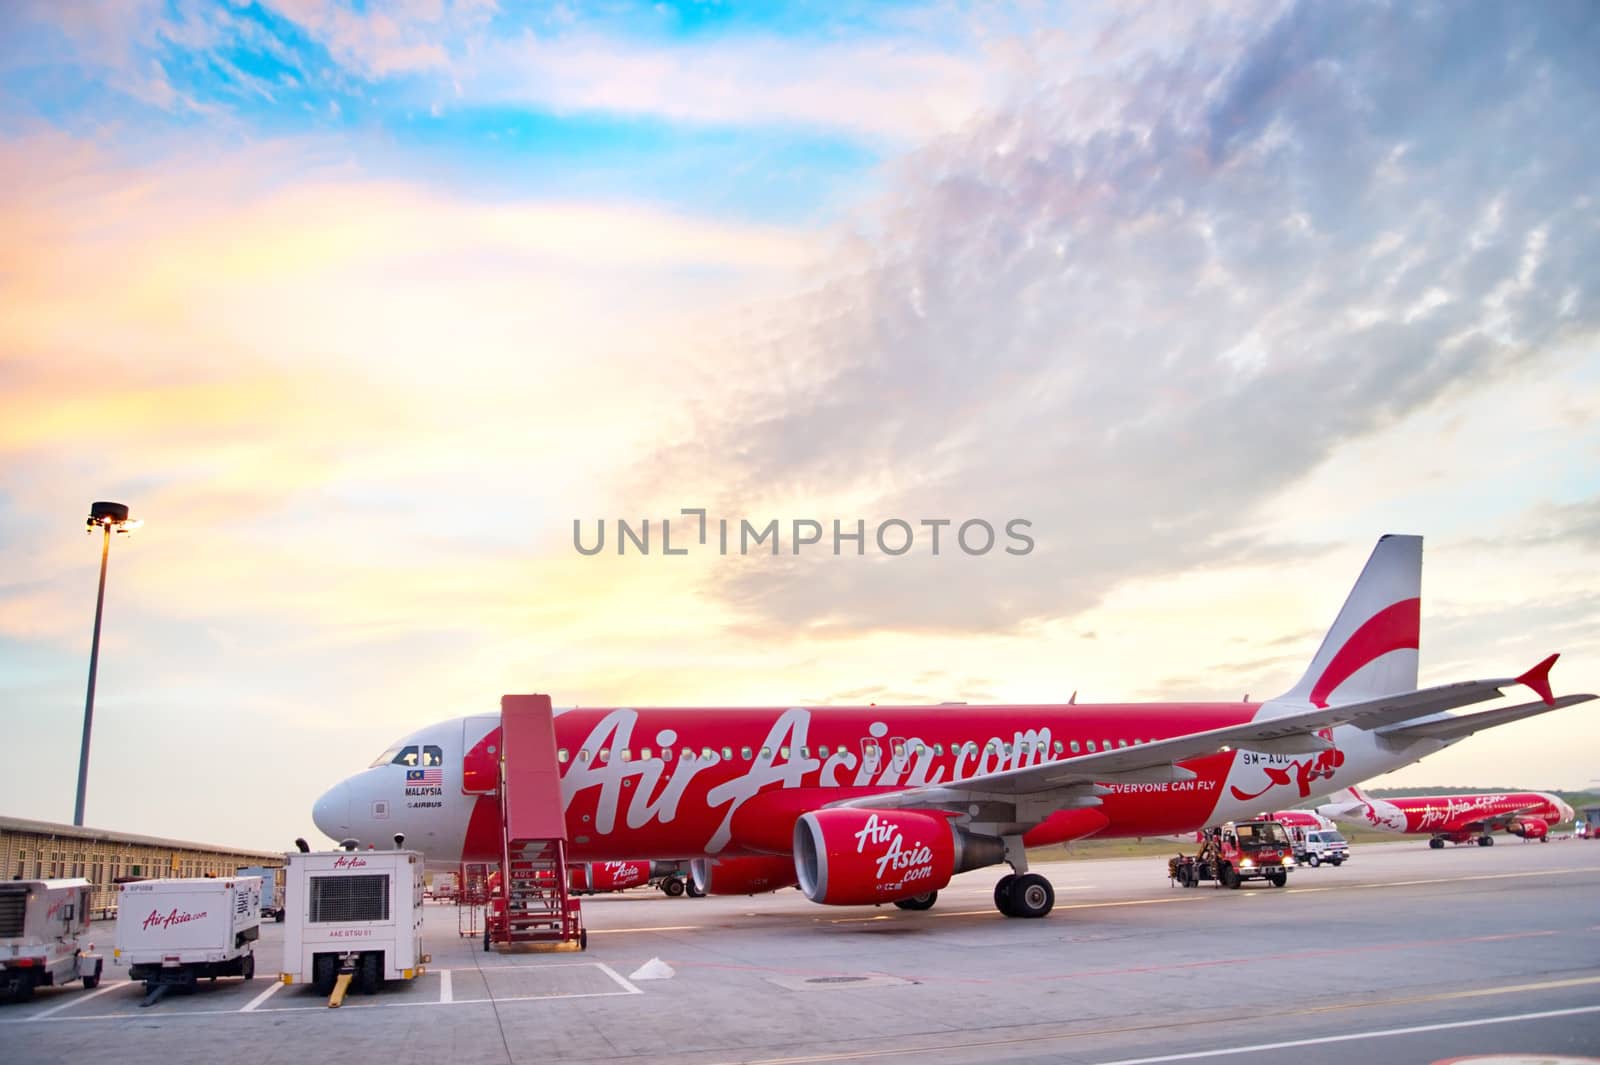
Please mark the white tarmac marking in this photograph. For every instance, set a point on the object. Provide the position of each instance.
(255, 1003)
(446, 991)
(662, 928)
(76, 1000)
(618, 977)
(1381, 1033)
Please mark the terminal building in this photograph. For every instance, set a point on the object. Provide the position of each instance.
(44, 850)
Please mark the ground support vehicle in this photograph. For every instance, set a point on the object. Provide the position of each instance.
(1235, 852)
(44, 926)
(445, 886)
(271, 889)
(172, 933)
(353, 916)
(1316, 846)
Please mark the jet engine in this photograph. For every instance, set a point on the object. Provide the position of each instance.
(616, 876)
(852, 857)
(1529, 828)
(742, 876)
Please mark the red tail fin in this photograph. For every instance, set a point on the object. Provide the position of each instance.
(1538, 678)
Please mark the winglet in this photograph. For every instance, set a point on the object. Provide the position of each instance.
(1538, 678)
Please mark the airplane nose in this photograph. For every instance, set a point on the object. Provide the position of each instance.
(331, 813)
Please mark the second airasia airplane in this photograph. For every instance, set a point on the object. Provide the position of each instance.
(874, 804)
(1456, 818)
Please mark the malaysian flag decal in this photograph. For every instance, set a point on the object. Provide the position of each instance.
(421, 777)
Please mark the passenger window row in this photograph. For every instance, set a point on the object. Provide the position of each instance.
(869, 749)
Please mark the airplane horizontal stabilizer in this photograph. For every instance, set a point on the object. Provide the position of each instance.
(1455, 728)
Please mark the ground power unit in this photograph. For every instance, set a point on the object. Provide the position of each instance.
(355, 913)
(178, 931)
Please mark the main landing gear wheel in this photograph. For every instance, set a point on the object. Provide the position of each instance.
(672, 887)
(918, 902)
(1031, 896)
(695, 891)
(1436, 843)
(1485, 841)
(1002, 894)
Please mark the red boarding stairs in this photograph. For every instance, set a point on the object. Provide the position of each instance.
(535, 907)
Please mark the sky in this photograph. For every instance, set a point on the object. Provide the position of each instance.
(361, 306)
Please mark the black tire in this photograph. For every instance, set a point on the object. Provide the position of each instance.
(1436, 843)
(1229, 878)
(324, 973)
(19, 986)
(369, 973)
(278, 917)
(693, 890)
(1313, 860)
(1487, 841)
(1031, 896)
(918, 902)
(1002, 893)
(247, 967)
(91, 981)
(1336, 862)
(672, 887)
(1278, 879)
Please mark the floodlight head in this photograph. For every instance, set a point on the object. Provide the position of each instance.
(112, 516)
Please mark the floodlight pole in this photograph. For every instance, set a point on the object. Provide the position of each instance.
(94, 664)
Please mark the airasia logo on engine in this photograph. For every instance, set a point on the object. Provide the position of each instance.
(913, 861)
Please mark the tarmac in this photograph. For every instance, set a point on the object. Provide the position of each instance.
(1403, 955)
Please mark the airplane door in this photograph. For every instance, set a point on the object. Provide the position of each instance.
(480, 765)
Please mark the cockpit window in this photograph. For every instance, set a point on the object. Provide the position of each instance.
(409, 757)
(391, 755)
(432, 755)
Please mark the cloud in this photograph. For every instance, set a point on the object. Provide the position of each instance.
(1137, 331)
(875, 88)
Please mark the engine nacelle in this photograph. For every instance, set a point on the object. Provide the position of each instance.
(1529, 828)
(616, 876)
(851, 857)
(742, 876)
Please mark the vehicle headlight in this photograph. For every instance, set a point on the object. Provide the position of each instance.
(1246, 864)
(1288, 862)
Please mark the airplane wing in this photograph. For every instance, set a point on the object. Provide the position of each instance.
(1034, 792)
(1480, 823)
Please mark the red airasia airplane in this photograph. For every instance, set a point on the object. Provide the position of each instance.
(1457, 818)
(873, 804)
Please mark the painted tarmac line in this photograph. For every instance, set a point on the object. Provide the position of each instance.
(1059, 1036)
(661, 928)
(447, 991)
(255, 1003)
(626, 984)
(1349, 1037)
(77, 1000)
(322, 1007)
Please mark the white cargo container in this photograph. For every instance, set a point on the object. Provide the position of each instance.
(179, 930)
(42, 928)
(355, 910)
